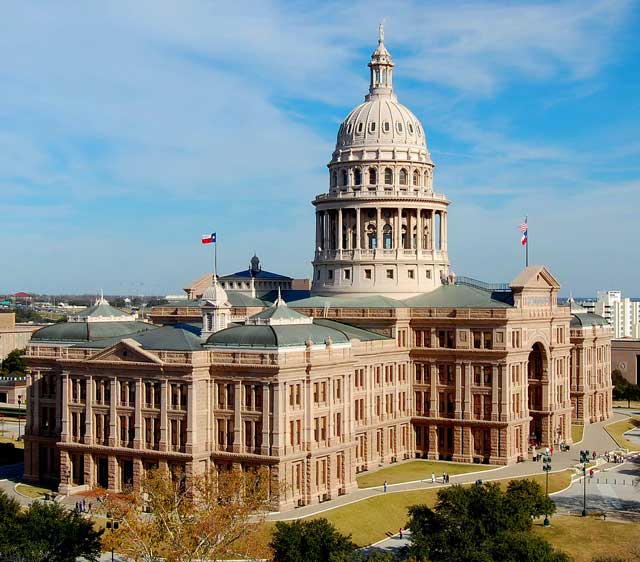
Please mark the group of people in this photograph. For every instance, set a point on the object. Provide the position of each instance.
(614, 457)
(445, 478)
(83, 507)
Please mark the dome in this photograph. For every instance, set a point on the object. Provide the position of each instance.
(215, 295)
(382, 120)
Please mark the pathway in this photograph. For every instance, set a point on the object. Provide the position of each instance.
(595, 439)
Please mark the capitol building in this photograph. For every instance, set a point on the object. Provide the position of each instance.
(388, 357)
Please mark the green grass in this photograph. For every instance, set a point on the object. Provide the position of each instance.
(576, 432)
(14, 442)
(617, 430)
(584, 538)
(625, 404)
(32, 491)
(368, 521)
(416, 470)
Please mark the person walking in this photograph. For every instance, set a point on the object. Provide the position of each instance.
(385, 486)
(433, 478)
(400, 533)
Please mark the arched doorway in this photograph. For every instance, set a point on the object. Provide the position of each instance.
(536, 379)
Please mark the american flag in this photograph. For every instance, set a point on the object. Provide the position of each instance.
(524, 228)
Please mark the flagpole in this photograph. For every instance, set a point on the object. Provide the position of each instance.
(215, 256)
(526, 220)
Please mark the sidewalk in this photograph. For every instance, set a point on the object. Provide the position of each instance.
(595, 438)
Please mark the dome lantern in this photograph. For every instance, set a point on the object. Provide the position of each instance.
(381, 67)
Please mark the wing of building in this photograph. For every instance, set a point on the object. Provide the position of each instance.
(390, 357)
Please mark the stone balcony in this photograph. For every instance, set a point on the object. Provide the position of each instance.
(358, 193)
(382, 254)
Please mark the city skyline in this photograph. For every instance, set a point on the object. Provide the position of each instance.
(127, 134)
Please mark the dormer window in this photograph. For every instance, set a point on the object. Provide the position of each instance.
(349, 128)
(410, 128)
(360, 127)
(399, 127)
(372, 127)
(386, 126)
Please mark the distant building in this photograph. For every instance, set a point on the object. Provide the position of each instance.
(12, 335)
(13, 392)
(625, 357)
(252, 282)
(623, 313)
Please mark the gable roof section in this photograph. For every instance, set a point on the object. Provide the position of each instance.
(260, 274)
(127, 350)
(535, 276)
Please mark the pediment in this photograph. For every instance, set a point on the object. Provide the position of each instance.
(126, 351)
(535, 277)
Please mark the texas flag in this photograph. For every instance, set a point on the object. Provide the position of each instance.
(209, 238)
(524, 228)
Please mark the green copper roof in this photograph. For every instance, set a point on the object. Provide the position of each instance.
(279, 312)
(102, 309)
(352, 332)
(276, 336)
(586, 319)
(89, 331)
(169, 338)
(455, 296)
(372, 301)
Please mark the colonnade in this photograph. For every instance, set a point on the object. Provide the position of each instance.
(369, 228)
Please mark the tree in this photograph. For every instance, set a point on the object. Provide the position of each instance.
(310, 541)
(211, 516)
(45, 533)
(482, 523)
(623, 389)
(15, 363)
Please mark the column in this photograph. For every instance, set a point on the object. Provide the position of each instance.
(398, 230)
(358, 229)
(467, 415)
(238, 444)
(265, 420)
(34, 405)
(494, 393)
(433, 230)
(276, 437)
(325, 230)
(379, 242)
(192, 426)
(339, 240)
(445, 231)
(410, 230)
(433, 410)
(318, 231)
(458, 405)
(164, 415)
(505, 393)
(64, 421)
(419, 230)
(113, 417)
(88, 412)
(137, 437)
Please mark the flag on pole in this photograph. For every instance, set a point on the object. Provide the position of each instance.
(209, 238)
(524, 229)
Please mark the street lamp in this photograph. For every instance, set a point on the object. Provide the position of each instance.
(584, 459)
(546, 466)
(112, 525)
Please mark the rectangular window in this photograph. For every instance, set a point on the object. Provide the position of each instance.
(389, 273)
(411, 274)
(347, 274)
(330, 273)
(367, 274)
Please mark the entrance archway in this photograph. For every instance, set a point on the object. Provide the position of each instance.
(536, 371)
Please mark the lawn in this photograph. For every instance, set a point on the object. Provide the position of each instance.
(32, 491)
(576, 432)
(416, 470)
(584, 538)
(617, 430)
(625, 404)
(370, 520)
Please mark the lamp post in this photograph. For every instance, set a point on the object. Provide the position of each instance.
(584, 459)
(546, 466)
(19, 406)
(112, 525)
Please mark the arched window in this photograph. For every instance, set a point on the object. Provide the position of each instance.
(387, 236)
(334, 179)
(426, 178)
(410, 127)
(360, 127)
(403, 177)
(345, 177)
(386, 127)
(403, 236)
(373, 176)
(416, 178)
(372, 239)
(372, 127)
(357, 176)
(399, 127)
(388, 176)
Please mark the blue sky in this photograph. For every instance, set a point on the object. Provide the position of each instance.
(129, 129)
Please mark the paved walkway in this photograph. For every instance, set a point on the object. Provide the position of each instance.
(595, 438)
